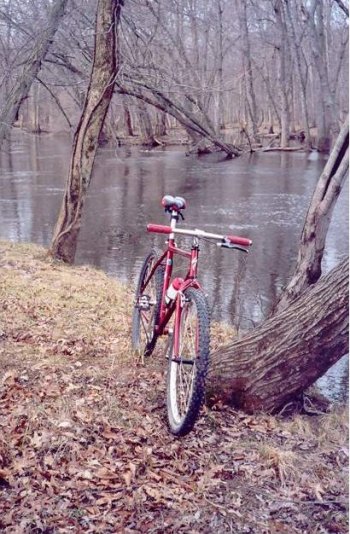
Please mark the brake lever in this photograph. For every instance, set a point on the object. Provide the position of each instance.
(232, 246)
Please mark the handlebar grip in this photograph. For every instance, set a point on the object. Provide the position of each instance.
(158, 229)
(236, 240)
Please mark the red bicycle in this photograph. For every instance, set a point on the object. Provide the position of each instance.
(159, 299)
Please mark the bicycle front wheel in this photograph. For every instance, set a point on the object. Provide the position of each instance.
(188, 369)
(147, 305)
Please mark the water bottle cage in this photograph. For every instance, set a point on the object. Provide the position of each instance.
(184, 299)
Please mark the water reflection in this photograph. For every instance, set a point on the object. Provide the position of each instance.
(262, 196)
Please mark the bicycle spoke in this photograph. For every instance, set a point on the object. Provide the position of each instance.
(185, 386)
(186, 372)
(145, 322)
(180, 392)
(147, 305)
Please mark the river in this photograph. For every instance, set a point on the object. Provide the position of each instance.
(263, 196)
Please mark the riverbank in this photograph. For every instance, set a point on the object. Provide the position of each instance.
(84, 444)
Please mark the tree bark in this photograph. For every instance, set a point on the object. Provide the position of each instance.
(33, 64)
(127, 118)
(248, 68)
(220, 123)
(326, 116)
(295, 43)
(146, 128)
(313, 238)
(99, 94)
(274, 363)
(161, 124)
(34, 107)
(283, 75)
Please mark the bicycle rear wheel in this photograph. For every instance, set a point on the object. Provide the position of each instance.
(147, 305)
(187, 370)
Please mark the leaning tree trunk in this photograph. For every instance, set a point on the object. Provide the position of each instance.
(313, 238)
(99, 95)
(157, 98)
(271, 365)
(23, 83)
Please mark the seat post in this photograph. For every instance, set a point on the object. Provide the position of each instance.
(174, 219)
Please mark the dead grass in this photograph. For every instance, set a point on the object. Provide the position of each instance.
(63, 311)
(283, 462)
(84, 444)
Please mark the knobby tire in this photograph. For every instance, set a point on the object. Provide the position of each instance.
(185, 398)
(142, 319)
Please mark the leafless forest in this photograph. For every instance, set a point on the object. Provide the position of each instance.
(85, 446)
(248, 72)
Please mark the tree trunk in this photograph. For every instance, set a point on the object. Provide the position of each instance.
(34, 108)
(313, 238)
(220, 123)
(326, 116)
(23, 84)
(294, 41)
(248, 68)
(146, 128)
(271, 365)
(274, 363)
(86, 137)
(283, 75)
(161, 124)
(127, 118)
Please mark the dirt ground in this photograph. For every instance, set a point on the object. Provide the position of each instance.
(84, 445)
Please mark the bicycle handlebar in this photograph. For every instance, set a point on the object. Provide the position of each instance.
(233, 239)
(158, 228)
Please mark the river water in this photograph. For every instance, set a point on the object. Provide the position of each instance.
(262, 196)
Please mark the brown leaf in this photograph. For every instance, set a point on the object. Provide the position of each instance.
(319, 491)
(86, 475)
(153, 493)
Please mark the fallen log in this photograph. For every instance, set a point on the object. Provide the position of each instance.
(283, 149)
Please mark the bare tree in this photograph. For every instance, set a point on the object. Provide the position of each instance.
(32, 66)
(313, 238)
(326, 116)
(248, 69)
(184, 59)
(308, 332)
(99, 94)
(275, 362)
(168, 73)
(302, 79)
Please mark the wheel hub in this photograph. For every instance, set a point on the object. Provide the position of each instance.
(145, 303)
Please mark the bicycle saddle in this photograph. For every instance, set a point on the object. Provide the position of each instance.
(173, 203)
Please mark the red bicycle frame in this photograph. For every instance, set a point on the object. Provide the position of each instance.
(166, 311)
(190, 279)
